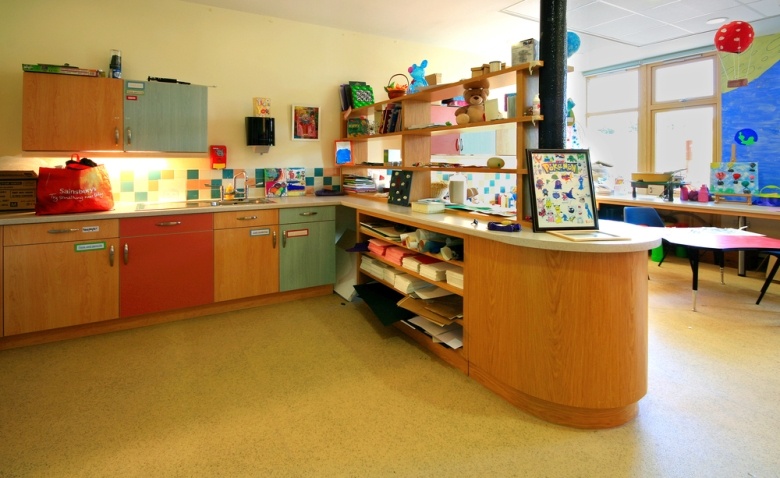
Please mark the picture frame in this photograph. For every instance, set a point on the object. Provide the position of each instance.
(305, 123)
(344, 153)
(561, 188)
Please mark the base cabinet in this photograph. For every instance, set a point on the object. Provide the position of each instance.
(59, 275)
(246, 254)
(308, 250)
(167, 263)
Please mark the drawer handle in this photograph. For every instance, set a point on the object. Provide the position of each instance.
(247, 218)
(284, 239)
(129, 136)
(126, 253)
(274, 242)
(308, 214)
(111, 254)
(63, 231)
(168, 223)
(116, 136)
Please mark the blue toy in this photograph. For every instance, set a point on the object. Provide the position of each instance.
(418, 77)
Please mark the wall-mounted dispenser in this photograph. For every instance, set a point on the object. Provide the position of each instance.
(260, 133)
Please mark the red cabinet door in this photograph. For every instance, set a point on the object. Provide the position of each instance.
(170, 265)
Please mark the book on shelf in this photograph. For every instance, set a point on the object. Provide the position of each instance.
(59, 69)
(356, 183)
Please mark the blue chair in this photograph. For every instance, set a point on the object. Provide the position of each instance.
(645, 216)
(771, 274)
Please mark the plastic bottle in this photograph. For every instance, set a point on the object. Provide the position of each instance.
(116, 64)
(536, 106)
(683, 193)
(704, 193)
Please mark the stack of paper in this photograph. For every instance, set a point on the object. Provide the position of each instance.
(450, 335)
(396, 254)
(372, 266)
(441, 313)
(407, 283)
(414, 262)
(378, 246)
(455, 278)
(390, 274)
(438, 270)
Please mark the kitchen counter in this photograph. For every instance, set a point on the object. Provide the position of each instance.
(458, 222)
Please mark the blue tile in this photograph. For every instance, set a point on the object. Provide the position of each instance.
(318, 172)
(309, 181)
(141, 197)
(192, 195)
(327, 181)
(126, 186)
(193, 174)
(155, 175)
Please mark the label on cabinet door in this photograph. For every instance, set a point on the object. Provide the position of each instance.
(90, 229)
(259, 232)
(90, 246)
(297, 233)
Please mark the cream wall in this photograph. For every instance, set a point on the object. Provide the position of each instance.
(241, 55)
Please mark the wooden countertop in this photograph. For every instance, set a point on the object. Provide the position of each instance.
(640, 238)
(723, 208)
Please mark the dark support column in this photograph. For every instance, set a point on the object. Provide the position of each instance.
(552, 76)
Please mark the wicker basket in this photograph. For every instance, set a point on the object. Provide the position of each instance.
(396, 92)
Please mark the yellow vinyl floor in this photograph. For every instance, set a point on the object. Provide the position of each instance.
(318, 388)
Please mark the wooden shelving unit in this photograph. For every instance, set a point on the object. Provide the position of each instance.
(416, 143)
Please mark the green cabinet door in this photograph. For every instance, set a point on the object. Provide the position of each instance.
(308, 255)
(165, 117)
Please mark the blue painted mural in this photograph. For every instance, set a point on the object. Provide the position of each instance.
(755, 108)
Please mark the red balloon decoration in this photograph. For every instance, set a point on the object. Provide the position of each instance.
(734, 37)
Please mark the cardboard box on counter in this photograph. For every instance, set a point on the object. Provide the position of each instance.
(17, 190)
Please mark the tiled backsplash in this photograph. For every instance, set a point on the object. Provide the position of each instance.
(194, 184)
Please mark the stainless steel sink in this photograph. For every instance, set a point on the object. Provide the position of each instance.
(200, 203)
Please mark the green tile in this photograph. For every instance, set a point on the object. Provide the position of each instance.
(141, 197)
(155, 175)
(192, 195)
(193, 174)
(126, 186)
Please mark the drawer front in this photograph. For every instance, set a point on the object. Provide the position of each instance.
(307, 214)
(65, 231)
(257, 217)
(173, 224)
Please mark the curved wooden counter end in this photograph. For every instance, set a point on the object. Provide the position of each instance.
(562, 335)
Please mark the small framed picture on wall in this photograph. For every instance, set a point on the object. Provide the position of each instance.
(344, 153)
(305, 123)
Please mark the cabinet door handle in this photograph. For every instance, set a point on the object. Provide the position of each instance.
(129, 136)
(246, 218)
(460, 144)
(111, 254)
(274, 240)
(284, 239)
(116, 136)
(313, 213)
(63, 231)
(168, 223)
(126, 253)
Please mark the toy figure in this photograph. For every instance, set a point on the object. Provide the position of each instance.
(418, 77)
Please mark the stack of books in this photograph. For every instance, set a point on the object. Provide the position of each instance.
(438, 270)
(358, 184)
(396, 254)
(378, 246)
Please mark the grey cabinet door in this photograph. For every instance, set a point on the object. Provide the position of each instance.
(165, 117)
(307, 255)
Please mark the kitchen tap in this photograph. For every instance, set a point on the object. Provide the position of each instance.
(246, 185)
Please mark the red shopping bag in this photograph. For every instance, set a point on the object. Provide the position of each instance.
(78, 187)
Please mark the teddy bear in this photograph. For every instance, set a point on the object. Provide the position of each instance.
(475, 93)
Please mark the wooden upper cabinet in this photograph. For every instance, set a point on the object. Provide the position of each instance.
(71, 113)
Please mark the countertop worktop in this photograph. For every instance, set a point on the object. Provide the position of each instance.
(459, 223)
(724, 208)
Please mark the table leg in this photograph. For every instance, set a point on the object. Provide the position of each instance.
(719, 258)
(741, 223)
(693, 257)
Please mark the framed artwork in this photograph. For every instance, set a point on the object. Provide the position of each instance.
(305, 123)
(562, 193)
(344, 153)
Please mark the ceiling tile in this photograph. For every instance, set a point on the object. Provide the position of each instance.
(593, 14)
